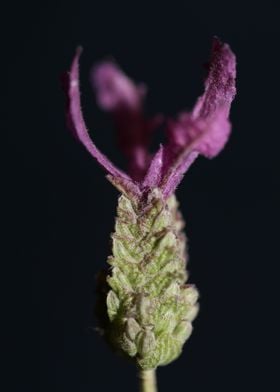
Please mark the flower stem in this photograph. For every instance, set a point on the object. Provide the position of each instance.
(147, 380)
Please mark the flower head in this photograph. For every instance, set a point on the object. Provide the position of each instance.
(203, 131)
(145, 307)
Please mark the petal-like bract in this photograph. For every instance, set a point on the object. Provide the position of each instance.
(206, 129)
(123, 99)
(77, 125)
(203, 131)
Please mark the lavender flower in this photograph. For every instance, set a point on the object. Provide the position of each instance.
(148, 307)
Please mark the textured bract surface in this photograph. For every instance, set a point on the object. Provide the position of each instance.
(149, 306)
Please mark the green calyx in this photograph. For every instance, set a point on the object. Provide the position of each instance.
(149, 307)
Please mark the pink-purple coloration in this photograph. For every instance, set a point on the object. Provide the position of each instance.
(123, 99)
(205, 130)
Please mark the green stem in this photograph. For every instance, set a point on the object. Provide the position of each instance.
(147, 380)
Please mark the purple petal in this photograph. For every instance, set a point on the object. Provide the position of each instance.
(154, 173)
(220, 84)
(120, 96)
(170, 182)
(205, 135)
(206, 129)
(114, 90)
(77, 125)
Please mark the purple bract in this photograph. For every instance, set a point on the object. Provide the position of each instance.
(203, 131)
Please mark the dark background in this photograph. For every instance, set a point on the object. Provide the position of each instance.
(61, 208)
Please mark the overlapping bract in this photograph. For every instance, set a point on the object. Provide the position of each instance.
(149, 305)
(204, 130)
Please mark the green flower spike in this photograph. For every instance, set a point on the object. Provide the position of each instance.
(145, 308)
(150, 307)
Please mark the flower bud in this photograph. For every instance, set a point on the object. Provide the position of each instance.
(146, 342)
(113, 304)
(183, 331)
(132, 328)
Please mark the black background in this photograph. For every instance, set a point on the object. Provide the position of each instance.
(63, 208)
